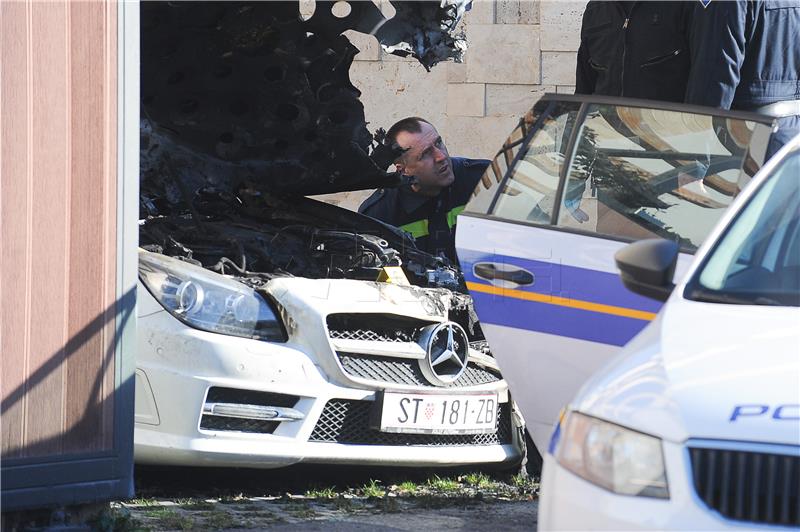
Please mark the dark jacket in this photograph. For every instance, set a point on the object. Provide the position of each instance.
(746, 55)
(431, 221)
(635, 49)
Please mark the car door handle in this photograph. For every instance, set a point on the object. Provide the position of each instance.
(502, 274)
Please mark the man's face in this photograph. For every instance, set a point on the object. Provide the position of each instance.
(426, 159)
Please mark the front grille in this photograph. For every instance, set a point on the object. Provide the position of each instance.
(346, 421)
(244, 397)
(374, 327)
(406, 371)
(748, 486)
(235, 424)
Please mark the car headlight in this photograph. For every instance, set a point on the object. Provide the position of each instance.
(613, 457)
(208, 301)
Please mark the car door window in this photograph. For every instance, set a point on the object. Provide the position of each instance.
(529, 192)
(490, 184)
(641, 173)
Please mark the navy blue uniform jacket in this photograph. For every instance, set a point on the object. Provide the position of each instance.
(746, 54)
(431, 221)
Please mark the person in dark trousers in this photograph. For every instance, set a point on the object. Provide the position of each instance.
(635, 49)
(440, 187)
(746, 56)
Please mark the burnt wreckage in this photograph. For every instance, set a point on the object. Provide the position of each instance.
(246, 108)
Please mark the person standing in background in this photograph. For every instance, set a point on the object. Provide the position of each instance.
(635, 49)
(746, 56)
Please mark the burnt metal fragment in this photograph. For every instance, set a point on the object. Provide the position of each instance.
(252, 83)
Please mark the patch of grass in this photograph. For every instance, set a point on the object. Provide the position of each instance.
(480, 481)
(408, 488)
(443, 484)
(321, 493)
(373, 489)
(168, 519)
(524, 483)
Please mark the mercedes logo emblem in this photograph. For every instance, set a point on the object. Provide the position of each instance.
(447, 353)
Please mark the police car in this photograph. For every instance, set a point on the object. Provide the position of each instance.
(578, 179)
(696, 425)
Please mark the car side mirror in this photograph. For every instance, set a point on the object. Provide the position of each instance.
(648, 266)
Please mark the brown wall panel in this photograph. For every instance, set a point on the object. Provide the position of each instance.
(49, 226)
(14, 221)
(110, 219)
(88, 211)
(59, 243)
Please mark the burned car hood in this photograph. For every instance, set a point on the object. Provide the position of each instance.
(257, 97)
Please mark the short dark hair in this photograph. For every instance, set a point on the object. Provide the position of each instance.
(410, 124)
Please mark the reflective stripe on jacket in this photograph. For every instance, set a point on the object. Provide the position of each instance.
(431, 221)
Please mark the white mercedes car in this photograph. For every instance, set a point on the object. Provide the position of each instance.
(696, 424)
(276, 329)
(311, 370)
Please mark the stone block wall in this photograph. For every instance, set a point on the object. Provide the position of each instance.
(517, 50)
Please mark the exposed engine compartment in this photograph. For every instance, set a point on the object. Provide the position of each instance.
(254, 237)
(225, 234)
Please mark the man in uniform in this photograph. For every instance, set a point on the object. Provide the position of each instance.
(746, 56)
(440, 187)
(635, 49)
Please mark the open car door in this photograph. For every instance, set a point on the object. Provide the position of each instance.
(578, 179)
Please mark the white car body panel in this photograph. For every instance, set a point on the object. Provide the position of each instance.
(685, 381)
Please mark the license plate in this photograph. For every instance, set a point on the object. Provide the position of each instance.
(437, 414)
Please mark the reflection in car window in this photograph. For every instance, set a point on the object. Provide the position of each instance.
(757, 261)
(639, 173)
(487, 187)
(530, 191)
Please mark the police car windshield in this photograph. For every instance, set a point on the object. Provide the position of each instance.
(757, 260)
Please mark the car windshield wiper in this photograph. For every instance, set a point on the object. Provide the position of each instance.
(700, 294)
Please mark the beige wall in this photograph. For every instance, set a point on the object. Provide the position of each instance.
(518, 50)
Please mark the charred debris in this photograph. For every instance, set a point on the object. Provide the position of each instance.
(246, 108)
